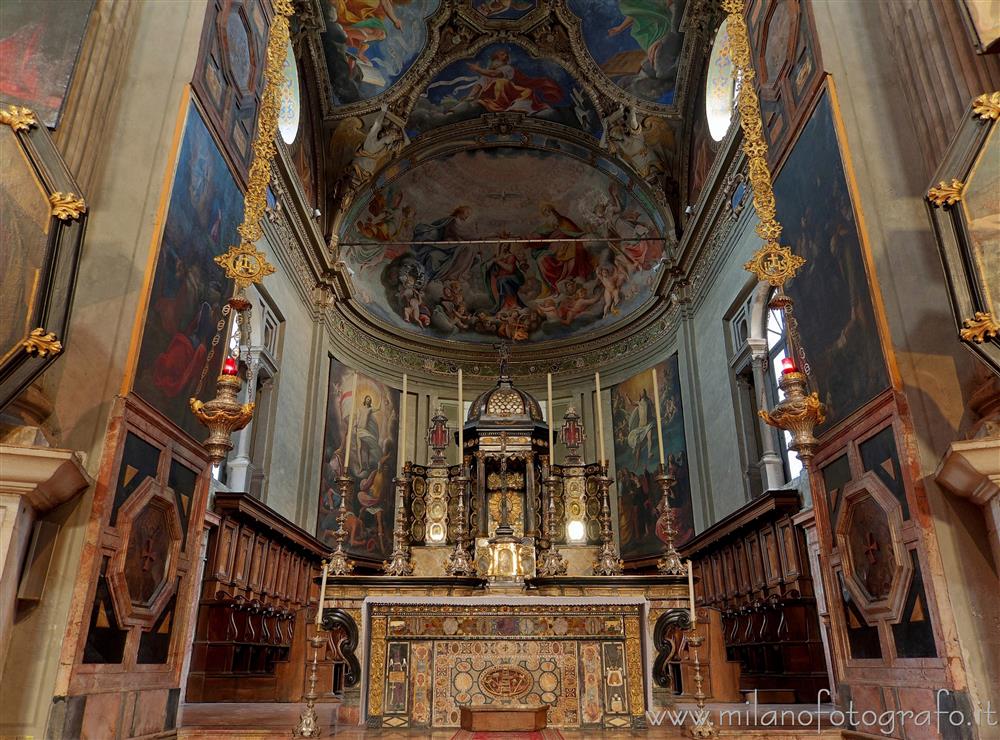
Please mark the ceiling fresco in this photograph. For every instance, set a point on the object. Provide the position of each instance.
(545, 132)
(503, 78)
(369, 44)
(583, 251)
(636, 43)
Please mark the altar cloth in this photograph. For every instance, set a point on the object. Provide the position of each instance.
(427, 656)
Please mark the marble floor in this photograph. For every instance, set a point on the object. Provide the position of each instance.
(235, 721)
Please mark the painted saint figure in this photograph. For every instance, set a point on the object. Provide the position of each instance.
(500, 87)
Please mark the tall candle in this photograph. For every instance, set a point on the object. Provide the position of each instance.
(694, 617)
(461, 424)
(548, 409)
(350, 423)
(600, 418)
(322, 595)
(659, 419)
(402, 429)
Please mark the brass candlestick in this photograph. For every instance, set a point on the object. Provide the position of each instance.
(703, 726)
(308, 725)
(399, 563)
(552, 563)
(459, 563)
(340, 564)
(609, 562)
(670, 563)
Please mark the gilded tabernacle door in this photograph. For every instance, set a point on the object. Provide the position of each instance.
(430, 657)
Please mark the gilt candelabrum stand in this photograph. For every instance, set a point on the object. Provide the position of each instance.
(609, 562)
(551, 563)
(703, 726)
(670, 563)
(340, 564)
(308, 725)
(399, 563)
(459, 563)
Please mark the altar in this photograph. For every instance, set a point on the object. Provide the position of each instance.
(505, 587)
(584, 657)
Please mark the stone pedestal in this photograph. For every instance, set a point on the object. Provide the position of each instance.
(971, 469)
(33, 481)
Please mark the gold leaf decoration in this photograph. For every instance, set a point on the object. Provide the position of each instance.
(244, 264)
(67, 206)
(980, 327)
(774, 263)
(987, 106)
(944, 194)
(42, 343)
(18, 118)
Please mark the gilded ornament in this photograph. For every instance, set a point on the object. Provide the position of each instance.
(222, 416)
(774, 263)
(67, 206)
(376, 665)
(987, 106)
(244, 264)
(42, 343)
(981, 327)
(798, 413)
(18, 118)
(946, 195)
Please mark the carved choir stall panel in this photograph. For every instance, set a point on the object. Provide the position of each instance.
(249, 642)
(753, 567)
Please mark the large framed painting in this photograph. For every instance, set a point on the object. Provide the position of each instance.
(964, 202)
(982, 18)
(640, 524)
(833, 302)
(42, 221)
(39, 45)
(176, 359)
(371, 463)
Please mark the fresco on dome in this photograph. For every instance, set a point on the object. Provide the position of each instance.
(188, 288)
(372, 461)
(370, 44)
(637, 460)
(503, 78)
(504, 10)
(569, 278)
(636, 43)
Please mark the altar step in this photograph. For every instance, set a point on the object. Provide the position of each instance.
(769, 696)
(248, 720)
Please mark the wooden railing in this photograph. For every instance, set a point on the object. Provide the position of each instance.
(753, 566)
(253, 612)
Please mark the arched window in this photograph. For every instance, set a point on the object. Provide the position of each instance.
(777, 350)
(288, 116)
(720, 86)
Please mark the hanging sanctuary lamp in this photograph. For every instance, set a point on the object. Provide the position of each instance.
(243, 263)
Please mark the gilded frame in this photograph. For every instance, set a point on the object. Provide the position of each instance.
(970, 281)
(51, 303)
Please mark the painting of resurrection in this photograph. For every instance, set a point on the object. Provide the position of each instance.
(637, 460)
(591, 259)
(636, 43)
(189, 289)
(372, 463)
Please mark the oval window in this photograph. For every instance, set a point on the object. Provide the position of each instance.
(288, 117)
(720, 86)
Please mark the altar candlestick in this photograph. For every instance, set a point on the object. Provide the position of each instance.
(402, 429)
(322, 595)
(600, 418)
(694, 617)
(659, 418)
(548, 410)
(461, 424)
(350, 424)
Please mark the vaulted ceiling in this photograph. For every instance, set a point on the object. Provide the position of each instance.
(504, 168)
